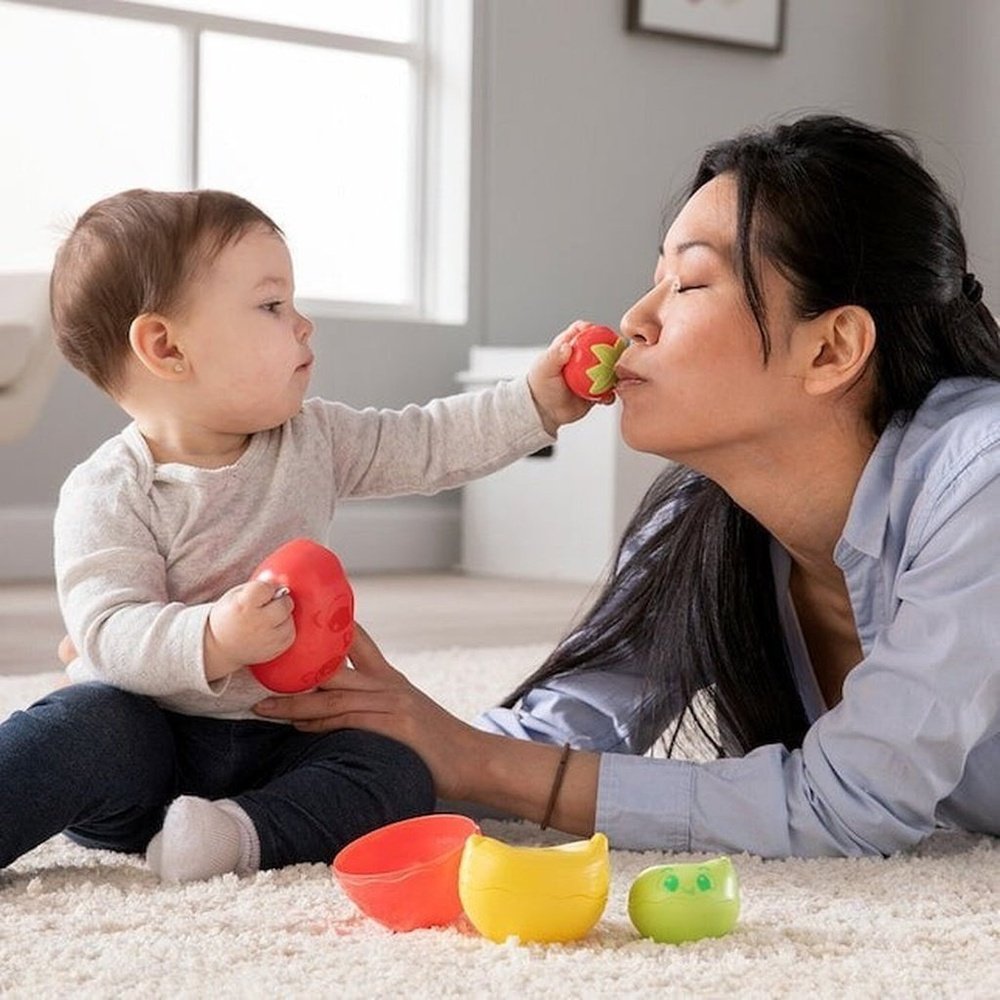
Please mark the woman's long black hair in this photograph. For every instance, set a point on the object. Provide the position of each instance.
(847, 213)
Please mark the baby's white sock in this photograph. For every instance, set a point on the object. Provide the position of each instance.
(201, 839)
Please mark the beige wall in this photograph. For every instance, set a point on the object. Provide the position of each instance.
(592, 129)
(949, 99)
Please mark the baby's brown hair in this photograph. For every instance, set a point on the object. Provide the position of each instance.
(133, 253)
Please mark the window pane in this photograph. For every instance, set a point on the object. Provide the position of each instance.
(81, 121)
(322, 141)
(391, 20)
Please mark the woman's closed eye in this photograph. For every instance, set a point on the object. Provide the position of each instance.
(679, 286)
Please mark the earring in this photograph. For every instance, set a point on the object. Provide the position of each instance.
(178, 368)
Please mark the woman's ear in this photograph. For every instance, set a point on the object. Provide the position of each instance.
(153, 344)
(841, 342)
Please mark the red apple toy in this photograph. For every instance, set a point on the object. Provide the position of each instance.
(590, 371)
(323, 616)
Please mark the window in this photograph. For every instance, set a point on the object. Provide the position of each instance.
(347, 122)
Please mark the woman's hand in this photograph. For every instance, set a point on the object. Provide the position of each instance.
(66, 651)
(513, 775)
(557, 404)
(377, 697)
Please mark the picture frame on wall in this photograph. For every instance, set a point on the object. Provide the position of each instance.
(751, 24)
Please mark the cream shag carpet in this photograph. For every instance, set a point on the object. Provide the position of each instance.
(93, 924)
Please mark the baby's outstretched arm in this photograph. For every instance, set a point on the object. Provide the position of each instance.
(250, 623)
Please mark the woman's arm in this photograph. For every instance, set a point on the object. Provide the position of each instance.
(868, 779)
(468, 764)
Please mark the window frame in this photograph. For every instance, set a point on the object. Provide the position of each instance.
(440, 58)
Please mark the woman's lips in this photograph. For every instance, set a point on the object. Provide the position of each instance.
(626, 377)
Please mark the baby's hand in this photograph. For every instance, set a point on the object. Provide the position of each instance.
(557, 405)
(247, 625)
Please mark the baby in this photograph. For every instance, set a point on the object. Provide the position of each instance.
(180, 307)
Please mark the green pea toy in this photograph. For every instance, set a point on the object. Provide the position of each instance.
(685, 902)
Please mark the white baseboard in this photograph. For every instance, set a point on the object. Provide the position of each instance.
(404, 534)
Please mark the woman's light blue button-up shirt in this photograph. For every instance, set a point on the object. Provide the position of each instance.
(914, 742)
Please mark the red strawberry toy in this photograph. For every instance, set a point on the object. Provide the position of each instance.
(590, 371)
(323, 616)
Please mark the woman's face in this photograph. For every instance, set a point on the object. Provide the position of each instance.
(693, 383)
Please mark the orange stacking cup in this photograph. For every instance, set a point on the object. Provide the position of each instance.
(405, 875)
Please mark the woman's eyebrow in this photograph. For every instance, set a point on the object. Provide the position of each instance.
(687, 245)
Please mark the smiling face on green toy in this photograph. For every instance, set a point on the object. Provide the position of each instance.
(684, 902)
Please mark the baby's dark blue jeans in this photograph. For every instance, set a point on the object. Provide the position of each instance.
(102, 765)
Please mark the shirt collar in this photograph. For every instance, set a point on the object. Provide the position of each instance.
(868, 517)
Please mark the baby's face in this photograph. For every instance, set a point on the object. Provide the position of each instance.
(246, 346)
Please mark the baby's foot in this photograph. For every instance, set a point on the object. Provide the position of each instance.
(201, 839)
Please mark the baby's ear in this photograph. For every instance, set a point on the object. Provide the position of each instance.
(152, 343)
(841, 341)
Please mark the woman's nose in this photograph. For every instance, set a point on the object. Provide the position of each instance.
(640, 324)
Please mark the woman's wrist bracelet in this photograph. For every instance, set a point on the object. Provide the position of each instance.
(556, 785)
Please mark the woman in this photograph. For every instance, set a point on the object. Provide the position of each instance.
(823, 563)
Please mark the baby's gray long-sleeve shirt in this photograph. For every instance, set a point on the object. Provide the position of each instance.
(143, 550)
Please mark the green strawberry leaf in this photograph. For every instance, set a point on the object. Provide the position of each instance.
(602, 375)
